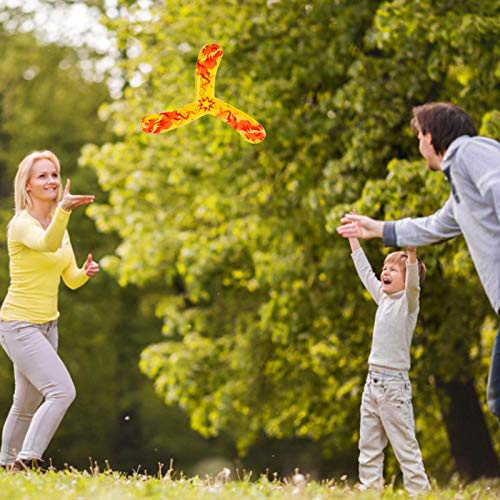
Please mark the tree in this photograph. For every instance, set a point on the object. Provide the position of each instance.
(264, 329)
(47, 102)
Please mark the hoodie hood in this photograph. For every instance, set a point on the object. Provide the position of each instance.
(452, 149)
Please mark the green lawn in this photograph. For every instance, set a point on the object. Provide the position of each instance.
(72, 484)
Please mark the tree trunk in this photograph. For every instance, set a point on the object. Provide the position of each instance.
(470, 440)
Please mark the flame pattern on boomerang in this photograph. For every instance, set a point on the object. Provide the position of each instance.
(206, 103)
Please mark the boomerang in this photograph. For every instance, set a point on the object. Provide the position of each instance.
(206, 103)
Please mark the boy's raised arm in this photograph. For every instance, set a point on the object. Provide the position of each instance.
(412, 279)
(412, 255)
(354, 242)
(365, 271)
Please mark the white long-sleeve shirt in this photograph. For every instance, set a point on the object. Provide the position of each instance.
(395, 318)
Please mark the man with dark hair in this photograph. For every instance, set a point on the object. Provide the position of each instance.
(444, 122)
(449, 142)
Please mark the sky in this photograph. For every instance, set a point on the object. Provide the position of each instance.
(74, 24)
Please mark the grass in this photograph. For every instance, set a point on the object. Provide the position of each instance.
(72, 484)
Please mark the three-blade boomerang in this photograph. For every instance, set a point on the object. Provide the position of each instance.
(206, 103)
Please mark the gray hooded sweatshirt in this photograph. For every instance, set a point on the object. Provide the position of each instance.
(472, 167)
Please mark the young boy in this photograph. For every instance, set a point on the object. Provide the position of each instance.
(386, 407)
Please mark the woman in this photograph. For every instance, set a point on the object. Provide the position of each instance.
(40, 252)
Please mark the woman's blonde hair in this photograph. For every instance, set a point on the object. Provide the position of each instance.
(22, 198)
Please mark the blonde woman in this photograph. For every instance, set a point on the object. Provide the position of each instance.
(40, 253)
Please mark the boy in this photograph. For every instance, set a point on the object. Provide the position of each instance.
(449, 143)
(386, 407)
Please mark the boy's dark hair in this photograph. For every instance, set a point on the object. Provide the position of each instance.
(400, 258)
(445, 122)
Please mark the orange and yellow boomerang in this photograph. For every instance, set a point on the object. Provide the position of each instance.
(206, 103)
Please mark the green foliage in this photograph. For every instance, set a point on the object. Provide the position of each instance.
(266, 326)
(73, 484)
(44, 100)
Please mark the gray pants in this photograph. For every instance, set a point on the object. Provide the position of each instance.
(387, 415)
(39, 375)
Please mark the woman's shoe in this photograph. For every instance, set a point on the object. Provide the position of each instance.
(8, 467)
(26, 464)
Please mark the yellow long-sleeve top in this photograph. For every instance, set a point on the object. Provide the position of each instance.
(38, 259)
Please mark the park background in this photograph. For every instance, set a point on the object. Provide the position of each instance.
(228, 327)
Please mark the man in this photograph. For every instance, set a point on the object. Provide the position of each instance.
(449, 142)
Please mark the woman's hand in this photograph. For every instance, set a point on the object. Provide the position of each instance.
(90, 268)
(70, 201)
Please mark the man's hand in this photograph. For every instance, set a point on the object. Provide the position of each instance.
(360, 226)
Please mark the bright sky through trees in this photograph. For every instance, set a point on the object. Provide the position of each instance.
(72, 24)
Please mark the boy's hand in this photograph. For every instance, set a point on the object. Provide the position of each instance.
(412, 254)
(354, 242)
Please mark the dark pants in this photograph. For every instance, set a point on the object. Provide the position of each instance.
(493, 390)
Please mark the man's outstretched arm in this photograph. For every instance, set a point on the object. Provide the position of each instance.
(439, 226)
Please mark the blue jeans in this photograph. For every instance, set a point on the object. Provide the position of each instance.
(493, 390)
